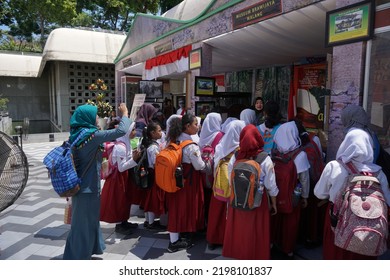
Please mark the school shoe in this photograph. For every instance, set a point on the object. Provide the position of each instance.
(212, 246)
(180, 244)
(130, 225)
(156, 226)
(119, 228)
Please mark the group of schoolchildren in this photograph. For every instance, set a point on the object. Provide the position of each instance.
(277, 223)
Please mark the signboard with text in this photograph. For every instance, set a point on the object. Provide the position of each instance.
(255, 13)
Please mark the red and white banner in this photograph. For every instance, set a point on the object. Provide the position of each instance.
(173, 62)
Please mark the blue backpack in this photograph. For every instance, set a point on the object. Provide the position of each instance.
(63, 174)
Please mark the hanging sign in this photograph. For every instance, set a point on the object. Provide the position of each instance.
(255, 13)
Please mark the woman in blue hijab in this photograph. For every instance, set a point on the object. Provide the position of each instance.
(85, 238)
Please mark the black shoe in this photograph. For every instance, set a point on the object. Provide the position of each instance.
(156, 226)
(146, 224)
(312, 244)
(212, 246)
(119, 228)
(129, 225)
(180, 244)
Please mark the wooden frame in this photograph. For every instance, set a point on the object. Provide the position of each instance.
(350, 24)
(202, 108)
(152, 89)
(204, 86)
(195, 59)
(176, 100)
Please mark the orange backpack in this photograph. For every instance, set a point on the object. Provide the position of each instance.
(167, 162)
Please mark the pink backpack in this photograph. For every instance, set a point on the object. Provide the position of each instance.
(207, 154)
(107, 167)
(361, 212)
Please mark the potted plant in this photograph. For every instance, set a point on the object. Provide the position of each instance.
(104, 107)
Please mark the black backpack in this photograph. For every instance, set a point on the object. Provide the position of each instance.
(143, 176)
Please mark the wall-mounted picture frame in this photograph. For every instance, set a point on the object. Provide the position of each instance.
(204, 86)
(152, 89)
(177, 99)
(350, 24)
(202, 108)
(195, 59)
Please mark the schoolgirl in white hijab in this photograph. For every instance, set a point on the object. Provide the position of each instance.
(226, 122)
(123, 154)
(356, 148)
(230, 141)
(248, 116)
(287, 139)
(210, 127)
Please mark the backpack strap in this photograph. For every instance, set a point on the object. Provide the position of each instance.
(261, 157)
(217, 139)
(81, 134)
(285, 157)
(183, 144)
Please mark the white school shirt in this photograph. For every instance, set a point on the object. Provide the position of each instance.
(191, 153)
(267, 174)
(332, 181)
(152, 151)
(123, 158)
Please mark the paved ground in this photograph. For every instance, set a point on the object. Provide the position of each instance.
(33, 229)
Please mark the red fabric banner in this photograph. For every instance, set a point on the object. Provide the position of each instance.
(168, 57)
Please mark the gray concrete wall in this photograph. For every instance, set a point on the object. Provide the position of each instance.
(28, 97)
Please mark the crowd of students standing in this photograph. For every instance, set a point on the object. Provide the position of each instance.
(242, 234)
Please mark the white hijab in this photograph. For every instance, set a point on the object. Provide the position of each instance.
(226, 122)
(357, 147)
(230, 141)
(125, 139)
(287, 137)
(210, 127)
(248, 116)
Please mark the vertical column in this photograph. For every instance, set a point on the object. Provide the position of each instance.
(347, 85)
(346, 88)
(205, 70)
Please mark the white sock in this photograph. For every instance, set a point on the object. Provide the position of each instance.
(151, 217)
(173, 236)
(146, 217)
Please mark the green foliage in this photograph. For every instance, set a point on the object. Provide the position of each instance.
(166, 5)
(3, 104)
(28, 19)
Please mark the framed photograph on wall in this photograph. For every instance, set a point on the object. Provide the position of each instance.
(152, 89)
(202, 108)
(195, 59)
(204, 86)
(350, 24)
(177, 100)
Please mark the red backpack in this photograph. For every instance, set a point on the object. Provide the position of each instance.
(207, 154)
(286, 178)
(315, 160)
